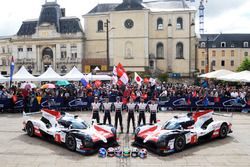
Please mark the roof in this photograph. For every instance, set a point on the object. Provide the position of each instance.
(102, 8)
(129, 5)
(231, 40)
(167, 5)
(51, 13)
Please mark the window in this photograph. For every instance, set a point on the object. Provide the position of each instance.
(245, 44)
(202, 63)
(159, 24)
(179, 51)
(223, 53)
(100, 26)
(246, 54)
(223, 44)
(3, 49)
(213, 53)
(203, 54)
(232, 62)
(179, 23)
(159, 51)
(203, 44)
(63, 51)
(4, 62)
(202, 71)
(73, 51)
(63, 69)
(20, 49)
(232, 53)
(213, 63)
(29, 49)
(223, 63)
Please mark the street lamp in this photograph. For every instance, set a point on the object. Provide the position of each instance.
(107, 42)
(207, 55)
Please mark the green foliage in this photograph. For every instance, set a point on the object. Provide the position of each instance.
(163, 77)
(245, 65)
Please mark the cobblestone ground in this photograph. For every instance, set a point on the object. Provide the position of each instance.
(19, 150)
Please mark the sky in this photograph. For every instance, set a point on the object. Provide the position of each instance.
(221, 16)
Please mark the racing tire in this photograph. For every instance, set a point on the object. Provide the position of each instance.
(70, 142)
(179, 143)
(30, 129)
(223, 131)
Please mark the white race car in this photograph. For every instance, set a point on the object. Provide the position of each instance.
(70, 130)
(181, 130)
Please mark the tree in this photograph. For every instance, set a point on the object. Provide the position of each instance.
(245, 65)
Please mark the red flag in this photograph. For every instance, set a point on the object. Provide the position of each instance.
(122, 74)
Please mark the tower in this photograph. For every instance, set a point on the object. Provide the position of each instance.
(201, 17)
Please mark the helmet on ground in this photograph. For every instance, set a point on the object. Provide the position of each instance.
(143, 153)
(118, 152)
(111, 152)
(102, 152)
(126, 152)
(134, 152)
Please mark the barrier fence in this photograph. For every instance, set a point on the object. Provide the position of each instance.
(81, 103)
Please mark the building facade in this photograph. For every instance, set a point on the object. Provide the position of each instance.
(225, 51)
(155, 35)
(51, 40)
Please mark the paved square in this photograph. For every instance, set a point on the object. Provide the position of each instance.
(19, 150)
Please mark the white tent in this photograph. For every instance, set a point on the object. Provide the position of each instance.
(49, 75)
(73, 75)
(3, 79)
(216, 74)
(98, 77)
(243, 76)
(23, 75)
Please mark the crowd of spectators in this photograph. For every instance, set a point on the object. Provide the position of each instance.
(146, 90)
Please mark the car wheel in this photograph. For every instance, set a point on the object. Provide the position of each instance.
(30, 129)
(223, 131)
(71, 142)
(179, 143)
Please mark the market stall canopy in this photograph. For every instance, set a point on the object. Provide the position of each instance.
(98, 77)
(243, 76)
(49, 75)
(23, 75)
(216, 74)
(73, 75)
(3, 79)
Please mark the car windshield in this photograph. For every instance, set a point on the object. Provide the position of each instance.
(78, 125)
(171, 125)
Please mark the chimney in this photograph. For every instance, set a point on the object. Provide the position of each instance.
(63, 12)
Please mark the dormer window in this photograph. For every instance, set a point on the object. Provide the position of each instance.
(203, 44)
(245, 44)
(223, 44)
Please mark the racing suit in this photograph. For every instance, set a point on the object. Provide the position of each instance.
(95, 111)
(107, 110)
(118, 114)
(153, 108)
(131, 115)
(142, 108)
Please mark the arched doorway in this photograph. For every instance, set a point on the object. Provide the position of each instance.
(47, 58)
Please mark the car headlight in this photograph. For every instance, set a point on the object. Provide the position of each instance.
(87, 141)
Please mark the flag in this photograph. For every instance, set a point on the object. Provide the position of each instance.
(137, 79)
(114, 71)
(152, 81)
(12, 67)
(84, 81)
(114, 79)
(121, 73)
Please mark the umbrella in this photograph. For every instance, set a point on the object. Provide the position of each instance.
(62, 83)
(48, 86)
(28, 86)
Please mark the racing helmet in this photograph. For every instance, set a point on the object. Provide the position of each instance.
(111, 152)
(118, 152)
(126, 152)
(143, 153)
(134, 152)
(102, 152)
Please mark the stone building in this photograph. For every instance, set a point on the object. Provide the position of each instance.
(51, 40)
(158, 35)
(225, 51)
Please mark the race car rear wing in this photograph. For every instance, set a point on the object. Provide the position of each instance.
(29, 114)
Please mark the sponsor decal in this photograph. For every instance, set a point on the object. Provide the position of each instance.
(49, 103)
(233, 103)
(77, 102)
(19, 104)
